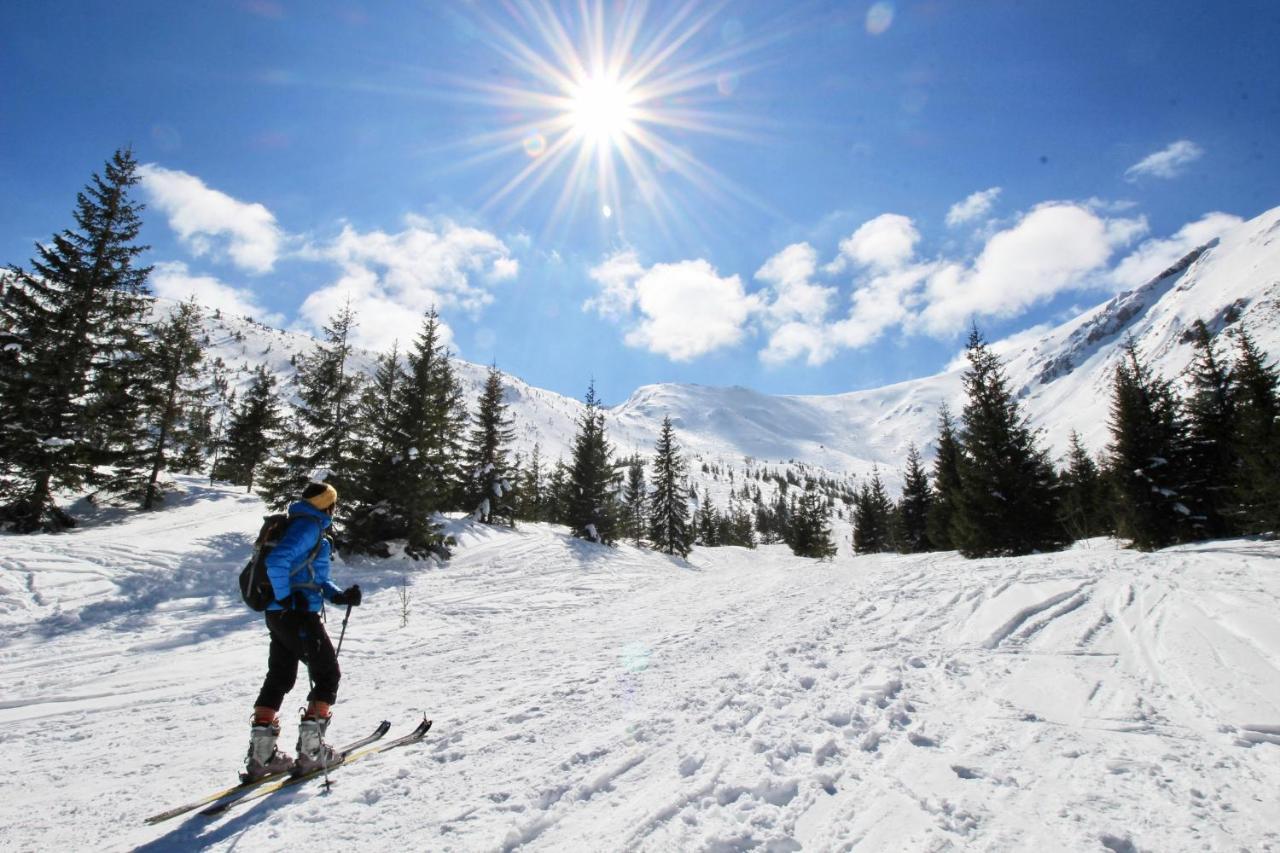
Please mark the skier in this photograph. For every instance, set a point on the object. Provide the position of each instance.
(298, 568)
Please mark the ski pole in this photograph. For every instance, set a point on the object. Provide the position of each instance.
(343, 633)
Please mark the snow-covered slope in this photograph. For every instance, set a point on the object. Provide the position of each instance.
(1064, 376)
(588, 698)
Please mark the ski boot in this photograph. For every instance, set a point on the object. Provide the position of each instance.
(263, 758)
(313, 752)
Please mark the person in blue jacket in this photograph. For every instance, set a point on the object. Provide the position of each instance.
(298, 568)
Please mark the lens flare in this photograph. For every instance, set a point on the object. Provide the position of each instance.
(535, 144)
(879, 18)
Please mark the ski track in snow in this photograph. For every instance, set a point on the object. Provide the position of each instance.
(594, 699)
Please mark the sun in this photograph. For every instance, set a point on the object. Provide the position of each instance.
(602, 110)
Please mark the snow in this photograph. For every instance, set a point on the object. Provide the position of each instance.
(588, 698)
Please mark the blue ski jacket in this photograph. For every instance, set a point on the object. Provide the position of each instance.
(286, 562)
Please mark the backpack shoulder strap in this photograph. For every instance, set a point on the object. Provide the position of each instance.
(309, 563)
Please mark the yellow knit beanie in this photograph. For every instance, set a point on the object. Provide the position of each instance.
(320, 495)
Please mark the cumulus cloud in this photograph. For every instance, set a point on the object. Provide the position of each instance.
(210, 222)
(1153, 257)
(173, 280)
(974, 207)
(795, 296)
(1054, 248)
(391, 279)
(886, 242)
(681, 310)
(1168, 162)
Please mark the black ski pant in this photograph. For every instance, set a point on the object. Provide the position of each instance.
(298, 636)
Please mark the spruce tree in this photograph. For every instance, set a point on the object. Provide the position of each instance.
(559, 486)
(707, 523)
(73, 329)
(871, 517)
(635, 502)
(253, 434)
(1084, 495)
(740, 529)
(1213, 466)
(173, 377)
(531, 498)
(1256, 399)
(1147, 456)
(374, 515)
(319, 436)
(946, 483)
(1008, 499)
(592, 510)
(487, 488)
(669, 500)
(810, 528)
(913, 509)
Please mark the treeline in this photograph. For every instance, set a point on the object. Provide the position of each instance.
(99, 394)
(1179, 467)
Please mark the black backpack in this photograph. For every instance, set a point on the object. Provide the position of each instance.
(255, 586)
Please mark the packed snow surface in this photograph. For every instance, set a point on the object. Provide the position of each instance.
(588, 698)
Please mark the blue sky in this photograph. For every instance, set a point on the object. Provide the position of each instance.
(814, 197)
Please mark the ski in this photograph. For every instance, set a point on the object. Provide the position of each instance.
(347, 758)
(243, 787)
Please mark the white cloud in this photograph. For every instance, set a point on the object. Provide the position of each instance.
(208, 221)
(1153, 257)
(1166, 163)
(974, 207)
(1056, 247)
(173, 280)
(393, 278)
(795, 297)
(681, 310)
(886, 242)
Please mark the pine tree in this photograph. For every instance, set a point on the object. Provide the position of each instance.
(669, 501)
(810, 528)
(707, 523)
(173, 377)
(635, 502)
(1148, 455)
(253, 434)
(430, 423)
(224, 398)
(1083, 494)
(1008, 499)
(913, 509)
(487, 488)
(319, 438)
(559, 486)
(374, 515)
(592, 511)
(531, 498)
(740, 530)
(72, 326)
(871, 517)
(946, 483)
(1254, 384)
(1213, 466)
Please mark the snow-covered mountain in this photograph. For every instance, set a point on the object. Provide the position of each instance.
(1064, 376)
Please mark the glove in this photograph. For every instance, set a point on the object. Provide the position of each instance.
(351, 595)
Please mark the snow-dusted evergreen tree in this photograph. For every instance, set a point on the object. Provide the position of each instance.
(635, 502)
(371, 513)
(1147, 456)
(592, 503)
(946, 483)
(912, 511)
(531, 488)
(1213, 467)
(487, 490)
(1084, 496)
(1255, 394)
(669, 498)
(811, 528)
(1008, 499)
(872, 515)
(175, 389)
(431, 420)
(559, 488)
(739, 528)
(253, 435)
(69, 323)
(319, 432)
(224, 402)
